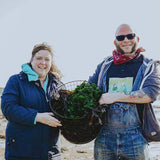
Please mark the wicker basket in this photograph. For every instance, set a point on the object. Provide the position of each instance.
(78, 130)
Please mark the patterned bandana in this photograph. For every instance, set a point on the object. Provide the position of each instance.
(119, 58)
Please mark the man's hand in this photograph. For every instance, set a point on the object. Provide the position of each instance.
(109, 98)
(48, 119)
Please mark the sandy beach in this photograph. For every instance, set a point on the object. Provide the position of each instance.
(78, 152)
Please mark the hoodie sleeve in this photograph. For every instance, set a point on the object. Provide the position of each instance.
(94, 77)
(151, 85)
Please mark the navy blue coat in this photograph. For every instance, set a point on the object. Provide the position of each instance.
(20, 102)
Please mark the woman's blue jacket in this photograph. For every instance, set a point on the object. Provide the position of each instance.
(20, 102)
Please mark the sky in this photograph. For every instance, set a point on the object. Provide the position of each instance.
(81, 32)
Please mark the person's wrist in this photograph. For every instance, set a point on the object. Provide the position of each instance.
(38, 117)
(119, 97)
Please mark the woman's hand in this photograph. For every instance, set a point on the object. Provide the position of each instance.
(48, 119)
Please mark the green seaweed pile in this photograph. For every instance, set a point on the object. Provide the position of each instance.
(82, 100)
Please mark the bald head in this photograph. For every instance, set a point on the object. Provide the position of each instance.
(123, 29)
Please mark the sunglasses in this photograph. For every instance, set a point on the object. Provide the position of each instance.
(129, 37)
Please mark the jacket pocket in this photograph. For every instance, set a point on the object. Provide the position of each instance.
(16, 147)
(22, 142)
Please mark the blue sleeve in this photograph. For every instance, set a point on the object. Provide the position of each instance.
(94, 77)
(11, 106)
(151, 86)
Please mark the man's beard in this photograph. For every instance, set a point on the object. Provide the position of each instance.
(121, 50)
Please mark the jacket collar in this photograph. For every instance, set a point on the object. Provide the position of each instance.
(51, 78)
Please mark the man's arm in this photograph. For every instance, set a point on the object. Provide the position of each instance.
(132, 97)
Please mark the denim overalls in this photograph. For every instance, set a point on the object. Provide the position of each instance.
(121, 137)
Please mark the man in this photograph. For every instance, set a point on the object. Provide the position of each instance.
(137, 83)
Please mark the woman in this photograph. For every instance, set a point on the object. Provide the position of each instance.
(31, 131)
